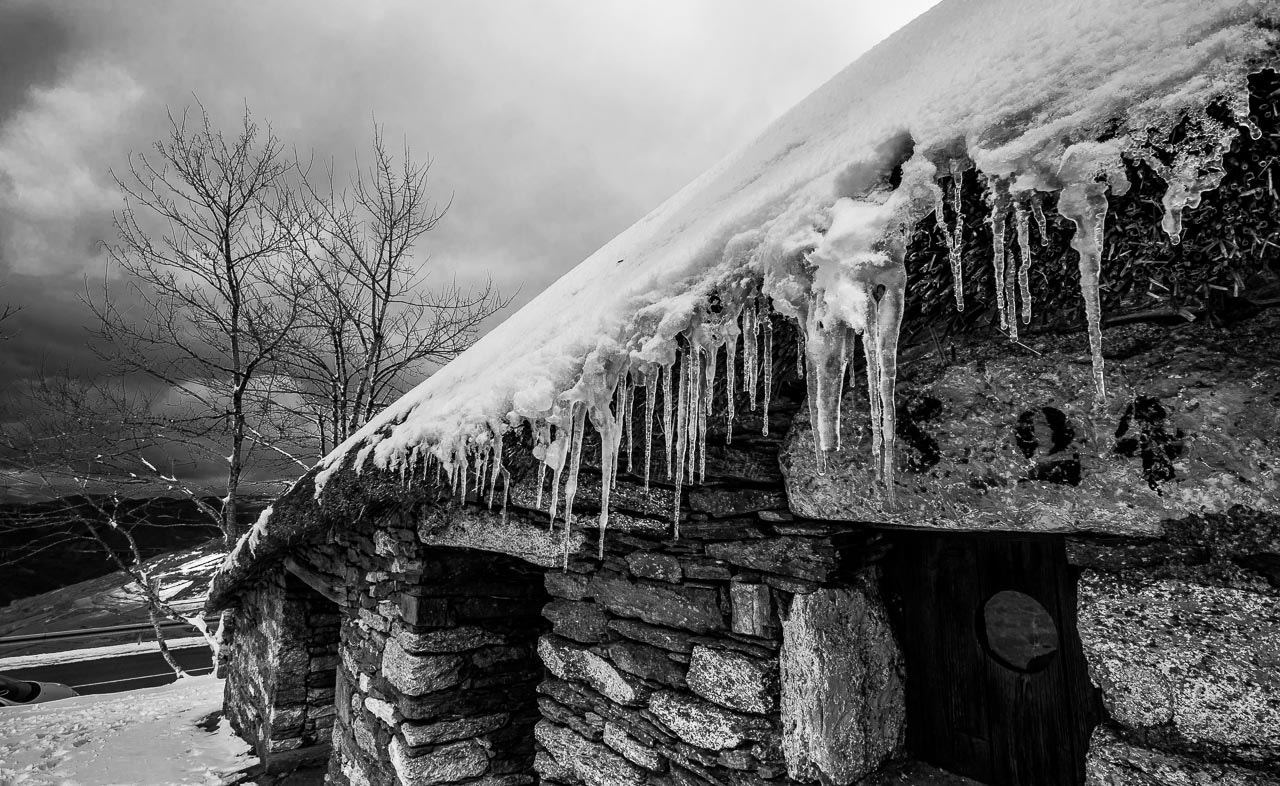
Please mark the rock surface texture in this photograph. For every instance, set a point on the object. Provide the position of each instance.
(995, 440)
(1186, 663)
(843, 706)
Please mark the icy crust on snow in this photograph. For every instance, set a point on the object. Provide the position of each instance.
(141, 737)
(802, 223)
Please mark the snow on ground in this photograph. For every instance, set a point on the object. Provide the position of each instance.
(112, 599)
(134, 739)
(17, 662)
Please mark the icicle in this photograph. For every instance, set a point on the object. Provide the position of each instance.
(1011, 291)
(668, 421)
(709, 378)
(800, 350)
(542, 481)
(766, 383)
(464, 467)
(506, 493)
(750, 352)
(650, 400)
(999, 213)
(559, 450)
(1085, 205)
(828, 360)
(682, 426)
(629, 420)
(1037, 210)
(889, 323)
(579, 430)
(954, 240)
(497, 465)
(730, 381)
(610, 430)
(706, 387)
(1024, 250)
(694, 420)
(870, 351)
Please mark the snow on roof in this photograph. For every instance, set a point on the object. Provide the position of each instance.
(803, 222)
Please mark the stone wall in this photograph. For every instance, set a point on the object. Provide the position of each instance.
(438, 667)
(1182, 636)
(280, 670)
(753, 649)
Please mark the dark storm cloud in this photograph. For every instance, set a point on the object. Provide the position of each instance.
(34, 44)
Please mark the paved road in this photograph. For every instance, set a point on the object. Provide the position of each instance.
(127, 672)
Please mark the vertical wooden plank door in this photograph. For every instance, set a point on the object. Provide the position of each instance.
(1013, 708)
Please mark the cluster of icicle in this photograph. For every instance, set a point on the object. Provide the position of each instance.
(843, 293)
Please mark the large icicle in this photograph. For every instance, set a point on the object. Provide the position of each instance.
(628, 419)
(732, 332)
(767, 375)
(1085, 205)
(650, 402)
(668, 424)
(954, 239)
(828, 357)
(1000, 201)
(682, 430)
(1089, 169)
(609, 426)
(578, 413)
(497, 465)
(750, 350)
(1023, 223)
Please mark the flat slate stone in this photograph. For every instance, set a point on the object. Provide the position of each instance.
(667, 639)
(724, 502)
(578, 620)
(570, 662)
(459, 639)
(1113, 762)
(590, 762)
(417, 735)
(733, 680)
(696, 609)
(702, 723)
(659, 567)
(646, 662)
(447, 764)
(414, 675)
(806, 558)
(632, 749)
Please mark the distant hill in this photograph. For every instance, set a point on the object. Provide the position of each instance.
(159, 524)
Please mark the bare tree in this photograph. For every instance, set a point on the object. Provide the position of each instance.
(208, 292)
(372, 318)
(79, 447)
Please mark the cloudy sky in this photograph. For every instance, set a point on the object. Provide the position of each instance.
(553, 124)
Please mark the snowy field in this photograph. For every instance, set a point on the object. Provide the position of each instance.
(150, 736)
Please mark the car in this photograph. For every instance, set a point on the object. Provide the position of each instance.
(19, 693)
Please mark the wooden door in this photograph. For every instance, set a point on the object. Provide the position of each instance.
(968, 710)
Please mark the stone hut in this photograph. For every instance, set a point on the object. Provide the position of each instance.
(745, 499)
